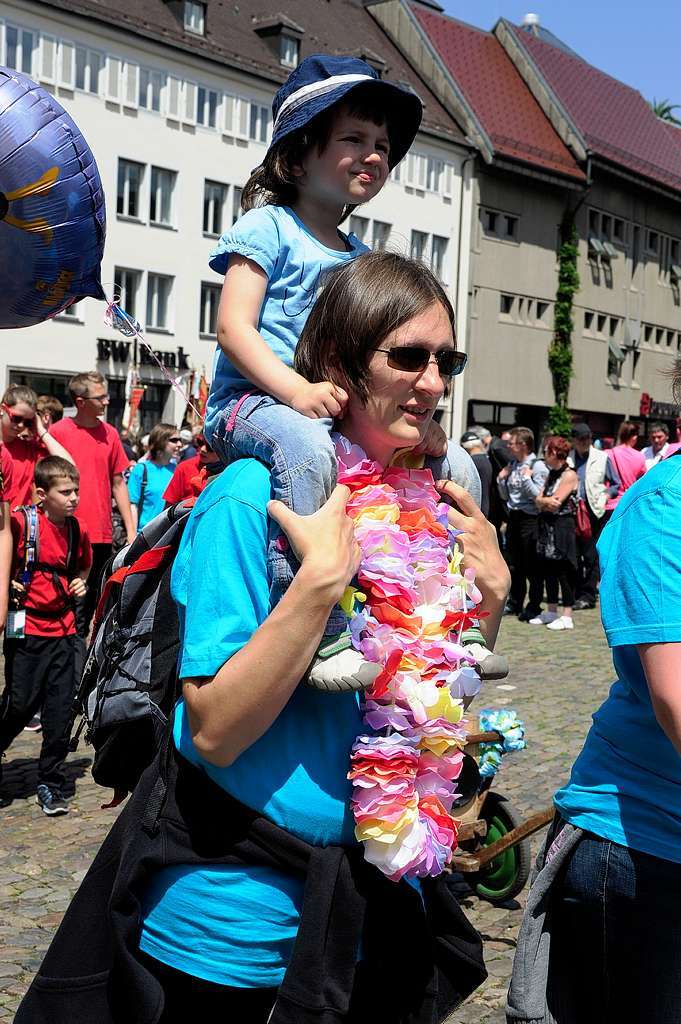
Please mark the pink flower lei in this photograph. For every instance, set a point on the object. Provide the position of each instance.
(415, 602)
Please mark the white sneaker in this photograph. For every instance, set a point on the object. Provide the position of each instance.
(543, 619)
(561, 622)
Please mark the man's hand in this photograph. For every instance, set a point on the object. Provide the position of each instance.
(77, 587)
(323, 543)
(317, 401)
(478, 539)
(435, 442)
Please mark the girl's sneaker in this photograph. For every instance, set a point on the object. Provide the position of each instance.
(562, 622)
(544, 618)
(51, 801)
(338, 668)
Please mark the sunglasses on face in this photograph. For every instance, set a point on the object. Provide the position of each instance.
(414, 359)
(174, 440)
(17, 420)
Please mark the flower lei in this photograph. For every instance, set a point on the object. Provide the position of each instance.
(415, 603)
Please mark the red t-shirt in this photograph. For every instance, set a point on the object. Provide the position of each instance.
(188, 480)
(43, 591)
(24, 455)
(99, 456)
(6, 473)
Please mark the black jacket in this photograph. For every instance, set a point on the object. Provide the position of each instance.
(420, 957)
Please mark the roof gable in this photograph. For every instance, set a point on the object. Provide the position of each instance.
(504, 106)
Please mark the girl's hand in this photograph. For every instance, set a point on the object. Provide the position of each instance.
(478, 539)
(435, 442)
(317, 401)
(324, 543)
(77, 587)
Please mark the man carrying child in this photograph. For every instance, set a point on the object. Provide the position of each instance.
(51, 559)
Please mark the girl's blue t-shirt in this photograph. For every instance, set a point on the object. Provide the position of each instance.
(293, 260)
(232, 924)
(158, 478)
(626, 783)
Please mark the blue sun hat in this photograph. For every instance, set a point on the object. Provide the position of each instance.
(319, 81)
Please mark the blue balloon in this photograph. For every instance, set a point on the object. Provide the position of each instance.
(52, 214)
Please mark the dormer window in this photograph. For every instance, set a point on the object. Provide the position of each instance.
(195, 17)
(289, 51)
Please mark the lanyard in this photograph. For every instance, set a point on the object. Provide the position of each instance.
(30, 543)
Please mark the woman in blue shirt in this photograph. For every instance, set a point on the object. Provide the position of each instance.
(615, 909)
(150, 477)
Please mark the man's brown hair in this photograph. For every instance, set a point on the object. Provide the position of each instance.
(82, 383)
(524, 435)
(48, 403)
(52, 468)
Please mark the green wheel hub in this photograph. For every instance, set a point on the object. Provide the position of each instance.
(501, 873)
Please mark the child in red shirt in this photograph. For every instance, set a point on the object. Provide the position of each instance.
(51, 560)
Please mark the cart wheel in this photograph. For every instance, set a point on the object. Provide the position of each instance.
(506, 875)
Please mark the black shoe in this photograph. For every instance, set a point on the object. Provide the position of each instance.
(581, 604)
(529, 613)
(51, 801)
(5, 800)
(510, 608)
(35, 725)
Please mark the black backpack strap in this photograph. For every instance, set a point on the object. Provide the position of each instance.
(73, 527)
(143, 490)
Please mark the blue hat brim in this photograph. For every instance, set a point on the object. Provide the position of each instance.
(404, 126)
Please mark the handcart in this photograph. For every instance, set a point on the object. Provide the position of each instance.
(494, 849)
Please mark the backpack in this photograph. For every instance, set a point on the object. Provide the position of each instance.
(129, 683)
(31, 563)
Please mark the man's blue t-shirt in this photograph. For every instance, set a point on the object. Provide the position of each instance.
(233, 924)
(293, 260)
(157, 479)
(626, 783)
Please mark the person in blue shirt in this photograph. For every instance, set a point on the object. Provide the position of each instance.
(616, 904)
(384, 331)
(149, 477)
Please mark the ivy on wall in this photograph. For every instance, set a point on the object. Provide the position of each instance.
(560, 349)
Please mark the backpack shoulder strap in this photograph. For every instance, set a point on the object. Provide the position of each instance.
(73, 527)
(143, 488)
(31, 541)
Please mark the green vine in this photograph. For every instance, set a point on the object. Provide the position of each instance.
(560, 349)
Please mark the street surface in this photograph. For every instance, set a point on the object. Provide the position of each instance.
(558, 680)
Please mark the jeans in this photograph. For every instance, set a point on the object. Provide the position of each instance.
(301, 456)
(615, 938)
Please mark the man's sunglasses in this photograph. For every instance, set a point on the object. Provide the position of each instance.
(17, 420)
(415, 359)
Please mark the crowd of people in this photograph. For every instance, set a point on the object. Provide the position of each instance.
(550, 509)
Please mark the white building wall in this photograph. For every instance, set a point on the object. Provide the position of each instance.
(116, 128)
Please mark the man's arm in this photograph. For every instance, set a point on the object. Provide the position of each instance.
(613, 477)
(120, 496)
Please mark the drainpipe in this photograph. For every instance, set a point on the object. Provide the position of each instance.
(460, 306)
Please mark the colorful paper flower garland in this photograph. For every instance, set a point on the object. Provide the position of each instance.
(415, 604)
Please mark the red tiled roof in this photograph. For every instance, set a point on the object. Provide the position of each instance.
(615, 120)
(503, 104)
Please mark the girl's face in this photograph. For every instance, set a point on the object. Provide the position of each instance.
(401, 403)
(552, 460)
(354, 165)
(17, 421)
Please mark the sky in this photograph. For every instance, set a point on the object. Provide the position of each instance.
(637, 42)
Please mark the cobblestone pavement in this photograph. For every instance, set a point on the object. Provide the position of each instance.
(557, 680)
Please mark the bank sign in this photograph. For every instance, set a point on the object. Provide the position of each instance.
(124, 351)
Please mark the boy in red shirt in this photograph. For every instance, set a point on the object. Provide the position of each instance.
(51, 560)
(192, 475)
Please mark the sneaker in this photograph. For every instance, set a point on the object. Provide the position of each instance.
(5, 799)
(562, 622)
(51, 801)
(543, 619)
(529, 613)
(490, 665)
(338, 668)
(35, 725)
(581, 604)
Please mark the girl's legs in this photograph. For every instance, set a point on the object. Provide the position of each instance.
(568, 579)
(615, 940)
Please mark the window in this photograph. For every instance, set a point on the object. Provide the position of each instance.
(434, 173)
(438, 256)
(194, 17)
(506, 304)
(89, 63)
(207, 107)
(500, 225)
(236, 204)
(647, 333)
(129, 185)
(19, 47)
(659, 335)
(601, 321)
(158, 301)
(619, 231)
(151, 83)
(419, 243)
(214, 199)
(289, 51)
(670, 339)
(653, 242)
(588, 320)
(614, 326)
(615, 361)
(380, 235)
(210, 299)
(543, 311)
(71, 312)
(259, 123)
(360, 226)
(490, 222)
(510, 226)
(161, 196)
(594, 222)
(126, 287)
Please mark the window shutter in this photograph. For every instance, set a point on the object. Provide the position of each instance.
(228, 114)
(448, 181)
(243, 114)
(409, 176)
(48, 59)
(131, 86)
(422, 167)
(173, 95)
(114, 73)
(67, 64)
(190, 101)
